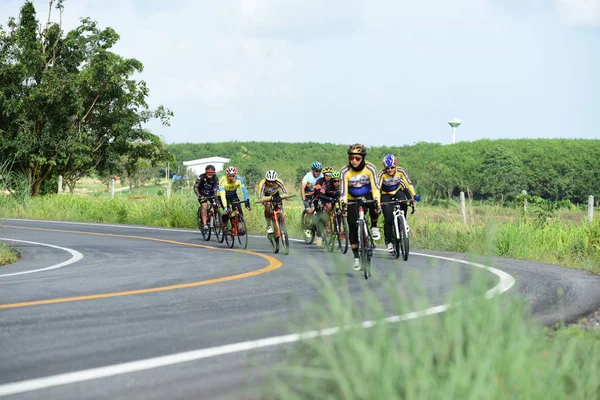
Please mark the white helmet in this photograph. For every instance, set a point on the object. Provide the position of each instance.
(271, 175)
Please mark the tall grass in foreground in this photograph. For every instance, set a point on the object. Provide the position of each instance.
(7, 255)
(493, 231)
(478, 349)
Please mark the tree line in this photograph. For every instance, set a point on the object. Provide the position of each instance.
(553, 169)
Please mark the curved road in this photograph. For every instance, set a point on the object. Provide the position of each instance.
(111, 311)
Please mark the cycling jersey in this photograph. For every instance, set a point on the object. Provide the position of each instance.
(329, 193)
(389, 184)
(355, 184)
(311, 182)
(228, 190)
(266, 190)
(206, 186)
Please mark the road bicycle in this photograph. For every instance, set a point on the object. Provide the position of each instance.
(400, 238)
(235, 226)
(280, 233)
(309, 228)
(365, 240)
(336, 230)
(213, 219)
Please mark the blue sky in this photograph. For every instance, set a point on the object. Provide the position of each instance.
(382, 72)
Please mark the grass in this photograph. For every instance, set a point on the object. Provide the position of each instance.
(482, 349)
(566, 240)
(7, 255)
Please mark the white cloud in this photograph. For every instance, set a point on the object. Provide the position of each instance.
(579, 12)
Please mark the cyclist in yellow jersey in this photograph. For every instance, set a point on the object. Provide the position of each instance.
(228, 187)
(394, 184)
(270, 186)
(359, 180)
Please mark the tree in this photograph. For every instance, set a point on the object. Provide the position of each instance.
(69, 105)
(502, 172)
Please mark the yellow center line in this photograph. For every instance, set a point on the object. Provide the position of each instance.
(273, 265)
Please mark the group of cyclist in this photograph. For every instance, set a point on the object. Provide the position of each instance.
(320, 189)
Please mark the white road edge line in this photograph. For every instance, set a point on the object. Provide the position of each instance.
(76, 256)
(506, 282)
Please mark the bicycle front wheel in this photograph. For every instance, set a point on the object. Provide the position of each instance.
(363, 250)
(308, 229)
(229, 238)
(242, 232)
(403, 239)
(341, 228)
(218, 226)
(283, 236)
(205, 232)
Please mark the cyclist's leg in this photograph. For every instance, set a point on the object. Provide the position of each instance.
(388, 217)
(268, 217)
(352, 229)
(374, 217)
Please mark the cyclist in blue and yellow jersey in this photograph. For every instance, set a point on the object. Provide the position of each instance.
(228, 187)
(309, 182)
(359, 180)
(320, 217)
(205, 186)
(270, 186)
(394, 184)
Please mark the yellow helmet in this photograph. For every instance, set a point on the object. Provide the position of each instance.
(357, 148)
(327, 170)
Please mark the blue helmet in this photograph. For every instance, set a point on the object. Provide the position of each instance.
(316, 166)
(390, 161)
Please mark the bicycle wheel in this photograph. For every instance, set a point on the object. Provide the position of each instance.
(341, 225)
(362, 248)
(329, 237)
(229, 238)
(218, 226)
(205, 232)
(403, 239)
(241, 232)
(308, 229)
(283, 237)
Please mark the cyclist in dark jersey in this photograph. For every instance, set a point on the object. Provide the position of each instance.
(205, 186)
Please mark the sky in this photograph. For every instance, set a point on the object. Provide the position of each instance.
(379, 72)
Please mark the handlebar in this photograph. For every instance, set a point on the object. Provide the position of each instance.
(270, 198)
(398, 202)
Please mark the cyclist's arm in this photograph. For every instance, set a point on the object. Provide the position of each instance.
(344, 185)
(302, 187)
(243, 187)
(215, 186)
(197, 187)
(373, 178)
(261, 188)
(380, 179)
(281, 186)
(222, 191)
(407, 182)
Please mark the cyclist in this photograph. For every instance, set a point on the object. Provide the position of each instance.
(394, 184)
(205, 186)
(309, 182)
(330, 192)
(228, 192)
(320, 222)
(270, 186)
(359, 180)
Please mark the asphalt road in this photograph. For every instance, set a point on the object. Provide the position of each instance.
(104, 311)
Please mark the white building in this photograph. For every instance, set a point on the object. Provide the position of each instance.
(198, 166)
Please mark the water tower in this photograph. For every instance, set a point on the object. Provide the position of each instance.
(454, 123)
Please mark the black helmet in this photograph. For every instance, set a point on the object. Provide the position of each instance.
(210, 168)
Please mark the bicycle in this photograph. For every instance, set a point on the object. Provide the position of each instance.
(213, 220)
(365, 240)
(309, 229)
(399, 237)
(280, 233)
(336, 229)
(236, 226)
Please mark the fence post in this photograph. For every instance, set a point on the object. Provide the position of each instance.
(169, 190)
(60, 184)
(463, 207)
(524, 201)
(112, 188)
(591, 208)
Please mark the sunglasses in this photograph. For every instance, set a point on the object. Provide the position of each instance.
(388, 168)
(335, 180)
(355, 158)
(231, 176)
